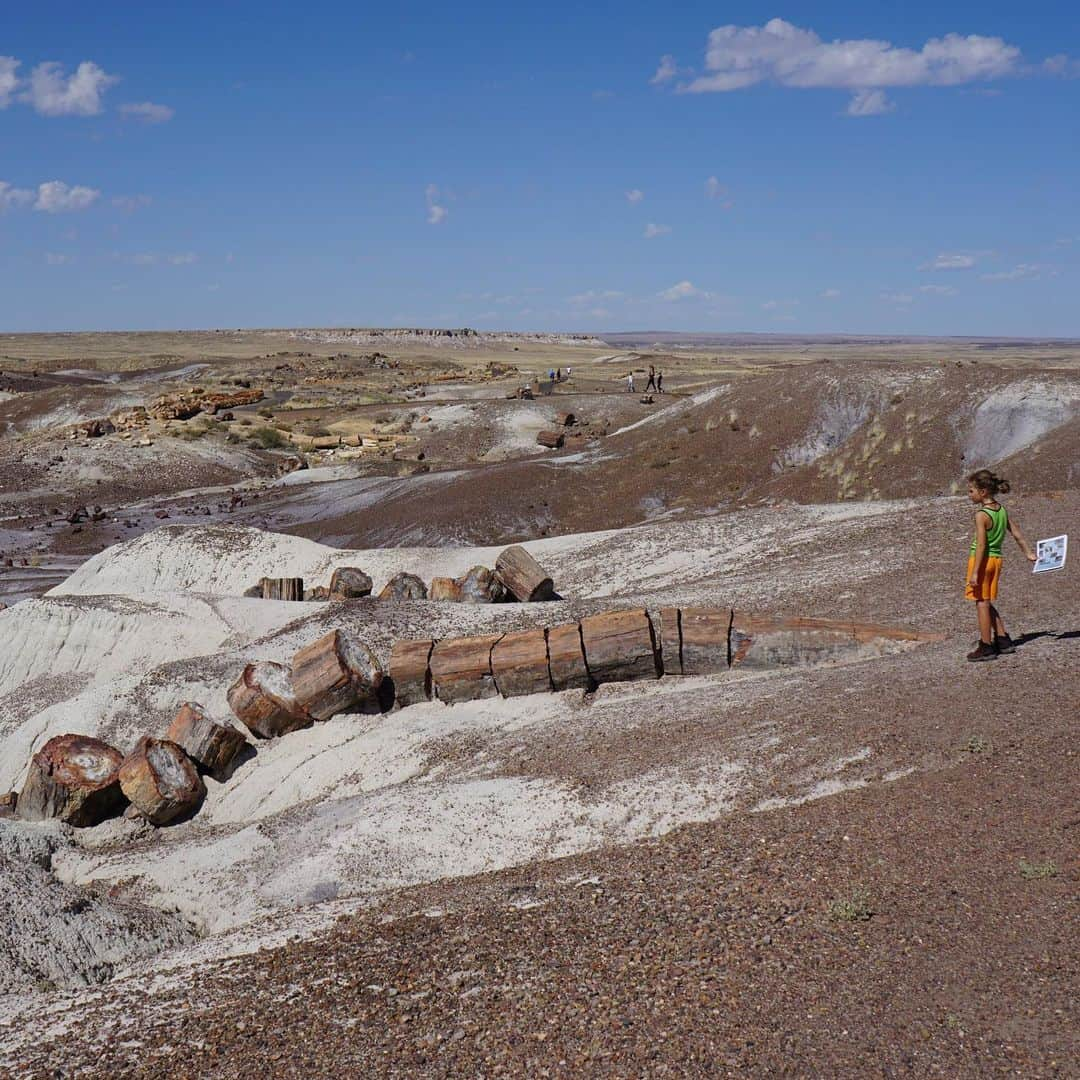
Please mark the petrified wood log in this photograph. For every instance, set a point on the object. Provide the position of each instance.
(264, 701)
(619, 646)
(461, 668)
(254, 592)
(523, 576)
(411, 672)
(74, 778)
(705, 640)
(760, 641)
(519, 662)
(565, 419)
(212, 746)
(161, 781)
(404, 587)
(8, 803)
(480, 586)
(669, 640)
(319, 593)
(553, 440)
(349, 583)
(286, 588)
(566, 660)
(335, 674)
(445, 589)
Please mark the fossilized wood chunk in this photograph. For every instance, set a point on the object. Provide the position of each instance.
(761, 641)
(319, 593)
(461, 668)
(288, 588)
(480, 586)
(74, 778)
(404, 587)
(565, 419)
(619, 646)
(254, 591)
(161, 781)
(411, 672)
(349, 583)
(264, 702)
(337, 673)
(668, 640)
(519, 662)
(705, 640)
(553, 440)
(566, 660)
(523, 576)
(8, 802)
(446, 590)
(212, 746)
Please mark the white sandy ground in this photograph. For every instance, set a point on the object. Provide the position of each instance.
(344, 811)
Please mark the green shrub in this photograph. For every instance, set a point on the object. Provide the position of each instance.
(269, 438)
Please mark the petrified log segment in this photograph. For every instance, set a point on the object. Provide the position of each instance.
(404, 587)
(319, 593)
(669, 640)
(254, 592)
(264, 702)
(410, 671)
(519, 663)
(704, 634)
(481, 586)
(74, 778)
(349, 583)
(8, 803)
(445, 589)
(760, 641)
(566, 660)
(523, 576)
(565, 419)
(285, 588)
(619, 646)
(210, 745)
(161, 781)
(335, 674)
(461, 668)
(553, 440)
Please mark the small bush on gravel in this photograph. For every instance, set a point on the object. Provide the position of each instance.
(977, 745)
(1030, 871)
(269, 438)
(854, 908)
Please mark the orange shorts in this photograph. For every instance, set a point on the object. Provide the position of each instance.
(988, 581)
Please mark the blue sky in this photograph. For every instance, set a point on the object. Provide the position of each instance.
(868, 168)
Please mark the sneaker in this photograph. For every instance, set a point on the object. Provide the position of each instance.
(983, 651)
(1004, 644)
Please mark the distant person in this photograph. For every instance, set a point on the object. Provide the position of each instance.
(992, 522)
(569, 371)
(630, 383)
(551, 374)
(659, 382)
(651, 384)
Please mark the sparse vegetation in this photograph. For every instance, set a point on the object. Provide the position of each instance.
(977, 745)
(1034, 871)
(269, 438)
(856, 907)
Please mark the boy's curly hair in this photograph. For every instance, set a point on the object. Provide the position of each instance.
(989, 482)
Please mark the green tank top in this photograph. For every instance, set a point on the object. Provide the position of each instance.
(999, 522)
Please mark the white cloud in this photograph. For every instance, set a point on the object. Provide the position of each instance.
(774, 305)
(869, 103)
(148, 111)
(130, 203)
(1023, 270)
(436, 213)
(830, 294)
(593, 295)
(897, 298)
(938, 290)
(666, 71)
(740, 56)
(635, 195)
(946, 261)
(652, 230)
(12, 197)
(9, 79)
(184, 258)
(58, 259)
(714, 189)
(1063, 66)
(53, 93)
(56, 197)
(683, 290)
